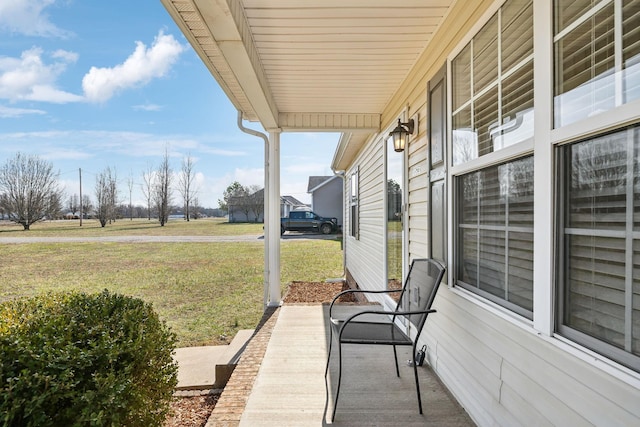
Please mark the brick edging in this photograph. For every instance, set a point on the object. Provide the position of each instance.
(232, 401)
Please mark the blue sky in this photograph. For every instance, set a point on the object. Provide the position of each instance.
(89, 84)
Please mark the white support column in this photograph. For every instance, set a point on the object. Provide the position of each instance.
(272, 218)
(543, 203)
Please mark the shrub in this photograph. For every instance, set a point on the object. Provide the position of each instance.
(70, 359)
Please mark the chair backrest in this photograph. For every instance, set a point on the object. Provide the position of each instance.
(420, 289)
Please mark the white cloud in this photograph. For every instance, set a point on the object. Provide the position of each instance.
(147, 107)
(29, 78)
(6, 112)
(28, 17)
(143, 65)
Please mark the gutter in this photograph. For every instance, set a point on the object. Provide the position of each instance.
(265, 296)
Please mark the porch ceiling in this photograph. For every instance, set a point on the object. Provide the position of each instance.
(312, 65)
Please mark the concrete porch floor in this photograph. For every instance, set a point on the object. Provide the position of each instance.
(280, 381)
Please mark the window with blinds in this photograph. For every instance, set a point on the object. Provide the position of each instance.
(600, 244)
(495, 234)
(492, 83)
(597, 57)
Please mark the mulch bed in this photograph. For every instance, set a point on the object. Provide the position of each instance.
(195, 411)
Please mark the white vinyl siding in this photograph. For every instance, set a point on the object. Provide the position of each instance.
(365, 257)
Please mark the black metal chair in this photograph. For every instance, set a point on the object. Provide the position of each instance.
(384, 327)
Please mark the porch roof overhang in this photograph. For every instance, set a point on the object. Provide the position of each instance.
(313, 65)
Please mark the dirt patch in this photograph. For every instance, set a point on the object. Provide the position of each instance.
(191, 411)
(316, 293)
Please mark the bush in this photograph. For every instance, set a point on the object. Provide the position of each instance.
(70, 359)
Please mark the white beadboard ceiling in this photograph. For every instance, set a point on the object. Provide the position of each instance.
(310, 65)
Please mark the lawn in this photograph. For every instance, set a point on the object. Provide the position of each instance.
(204, 291)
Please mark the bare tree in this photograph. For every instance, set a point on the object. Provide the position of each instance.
(28, 186)
(148, 187)
(162, 189)
(186, 182)
(106, 195)
(256, 201)
(130, 185)
(87, 204)
(73, 204)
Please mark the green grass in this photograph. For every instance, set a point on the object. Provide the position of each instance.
(202, 290)
(127, 227)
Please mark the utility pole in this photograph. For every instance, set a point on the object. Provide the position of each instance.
(80, 173)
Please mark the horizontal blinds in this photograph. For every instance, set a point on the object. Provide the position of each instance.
(517, 33)
(568, 11)
(496, 233)
(631, 49)
(601, 261)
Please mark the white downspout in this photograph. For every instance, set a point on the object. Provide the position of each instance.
(265, 297)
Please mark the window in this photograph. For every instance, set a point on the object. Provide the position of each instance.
(493, 85)
(353, 206)
(597, 57)
(492, 93)
(600, 244)
(495, 234)
(394, 215)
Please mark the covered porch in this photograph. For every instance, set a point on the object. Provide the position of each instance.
(279, 380)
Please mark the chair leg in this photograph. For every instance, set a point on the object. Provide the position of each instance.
(415, 373)
(326, 373)
(335, 402)
(395, 357)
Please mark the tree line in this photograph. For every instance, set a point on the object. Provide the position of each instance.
(30, 192)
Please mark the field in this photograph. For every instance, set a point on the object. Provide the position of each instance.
(204, 291)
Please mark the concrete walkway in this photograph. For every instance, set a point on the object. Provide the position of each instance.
(206, 367)
(288, 388)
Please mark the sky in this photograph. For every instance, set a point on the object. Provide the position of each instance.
(91, 84)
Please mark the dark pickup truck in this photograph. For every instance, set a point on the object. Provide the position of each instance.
(308, 221)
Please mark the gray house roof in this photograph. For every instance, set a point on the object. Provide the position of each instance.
(316, 182)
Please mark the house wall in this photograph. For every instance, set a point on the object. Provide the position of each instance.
(504, 369)
(327, 200)
(365, 255)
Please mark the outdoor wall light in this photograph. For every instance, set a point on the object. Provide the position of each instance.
(400, 135)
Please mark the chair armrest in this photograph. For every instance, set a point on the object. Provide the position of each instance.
(362, 291)
(386, 313)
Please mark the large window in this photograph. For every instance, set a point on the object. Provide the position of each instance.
(600, 244)
(493, 85)
(597, 57)
(495, 234)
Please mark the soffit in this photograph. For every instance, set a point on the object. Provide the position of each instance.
(312, 65)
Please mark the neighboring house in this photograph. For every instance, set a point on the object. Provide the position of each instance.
(521, 176)
(290, 203)
(327, 196)
(251, 208)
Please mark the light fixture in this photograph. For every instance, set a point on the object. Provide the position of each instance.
(400, 135)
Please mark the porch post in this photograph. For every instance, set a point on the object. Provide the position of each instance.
(272, 218)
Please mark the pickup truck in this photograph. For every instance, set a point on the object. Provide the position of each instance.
(308, 221)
